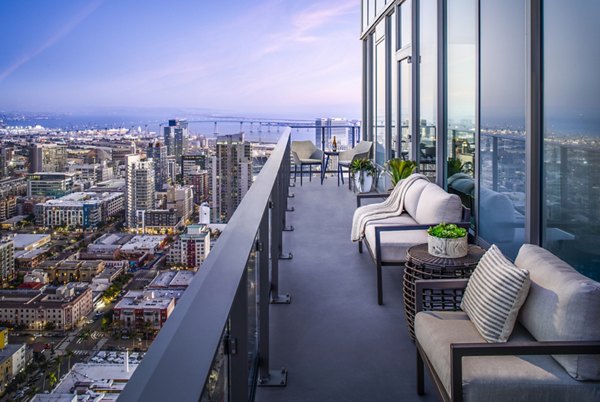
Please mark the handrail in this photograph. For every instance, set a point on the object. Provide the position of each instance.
(179, 361)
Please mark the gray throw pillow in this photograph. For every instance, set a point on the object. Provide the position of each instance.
(496, 291)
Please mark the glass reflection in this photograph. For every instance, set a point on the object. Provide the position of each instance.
(394, 88)
(405, 111)
(571, 164)
(461, 73)
(379, 121)
(405, 23)
(428, 86)
(502, 120)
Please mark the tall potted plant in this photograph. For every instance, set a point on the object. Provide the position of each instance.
(400, 169)
(447, 240)
(363, 171)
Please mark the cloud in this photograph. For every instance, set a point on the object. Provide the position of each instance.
(64, 31)
(305, 22)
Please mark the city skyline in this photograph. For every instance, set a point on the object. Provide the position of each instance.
(269, 57)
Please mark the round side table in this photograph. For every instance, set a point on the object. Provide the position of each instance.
(422, 265)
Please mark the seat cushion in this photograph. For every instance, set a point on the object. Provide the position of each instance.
(496, 378)
(494, 295)
(436, 205)
(310, 161)
(394, 245)
(562, 305)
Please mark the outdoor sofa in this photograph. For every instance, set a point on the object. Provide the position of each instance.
(552, 354)
(425, 204)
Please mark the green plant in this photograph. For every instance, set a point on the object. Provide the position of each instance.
(454, 166)
(447, 231)
(400, 169)
(363, 165)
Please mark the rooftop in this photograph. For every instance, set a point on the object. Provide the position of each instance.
(29, 241)
(83, 198)
(167, 279)
(145, 300)
(143, 243)
(108, 379)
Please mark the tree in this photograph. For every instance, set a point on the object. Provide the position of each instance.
(50, 326)
(53, 379)
(69, 355)
(59, 360)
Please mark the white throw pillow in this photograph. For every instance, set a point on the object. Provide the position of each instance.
(496, 291)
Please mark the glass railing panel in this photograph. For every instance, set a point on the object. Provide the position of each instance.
(216, 388)
(252, 287)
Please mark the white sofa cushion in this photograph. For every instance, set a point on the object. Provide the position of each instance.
(413, 194)
(496, 378)
(562, 305)
(494, 294)
(394, 245)
(436, 205)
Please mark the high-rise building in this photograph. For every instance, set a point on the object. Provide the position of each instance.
(181, 198)
(158, 153)
(191, 248)
(140, 188)
(7, 259)
(175, 136)
(47, 158)
(231, 175)
(8, 207)
(327, 128)
(192, 164)
(200, 184)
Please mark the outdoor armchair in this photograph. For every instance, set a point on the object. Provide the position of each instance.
(305, 153)
(345, 158)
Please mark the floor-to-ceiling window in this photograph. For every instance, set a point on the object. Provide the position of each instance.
(379, 86)
(461, 96)
(571, 143)
(427, 86)
(502, 88)
(405, 79)
(393, 38)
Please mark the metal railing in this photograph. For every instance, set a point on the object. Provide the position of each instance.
(215, 345)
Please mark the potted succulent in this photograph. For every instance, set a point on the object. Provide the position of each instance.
(363, 171)
(447, 240)
(400, 169)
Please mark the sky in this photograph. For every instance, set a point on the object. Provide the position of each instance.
(248, 57)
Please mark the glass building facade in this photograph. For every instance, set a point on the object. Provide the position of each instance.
(498, 102)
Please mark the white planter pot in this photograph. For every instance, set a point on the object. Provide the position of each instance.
(367, 182)
(447, 248)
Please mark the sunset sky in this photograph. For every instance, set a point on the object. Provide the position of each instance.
(278, 57)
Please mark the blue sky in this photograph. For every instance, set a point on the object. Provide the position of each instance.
(269, 57)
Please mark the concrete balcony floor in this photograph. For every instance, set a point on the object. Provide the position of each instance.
(335, 341)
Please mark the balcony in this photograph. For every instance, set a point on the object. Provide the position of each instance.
(333, 339)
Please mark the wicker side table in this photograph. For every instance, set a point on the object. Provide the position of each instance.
(422, 265)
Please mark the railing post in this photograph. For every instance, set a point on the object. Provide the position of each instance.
(276, 238)
(266, 377)
(237, 346)
(281, 209)
(286, 178)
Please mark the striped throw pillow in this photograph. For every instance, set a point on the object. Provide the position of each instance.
(496, 291)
